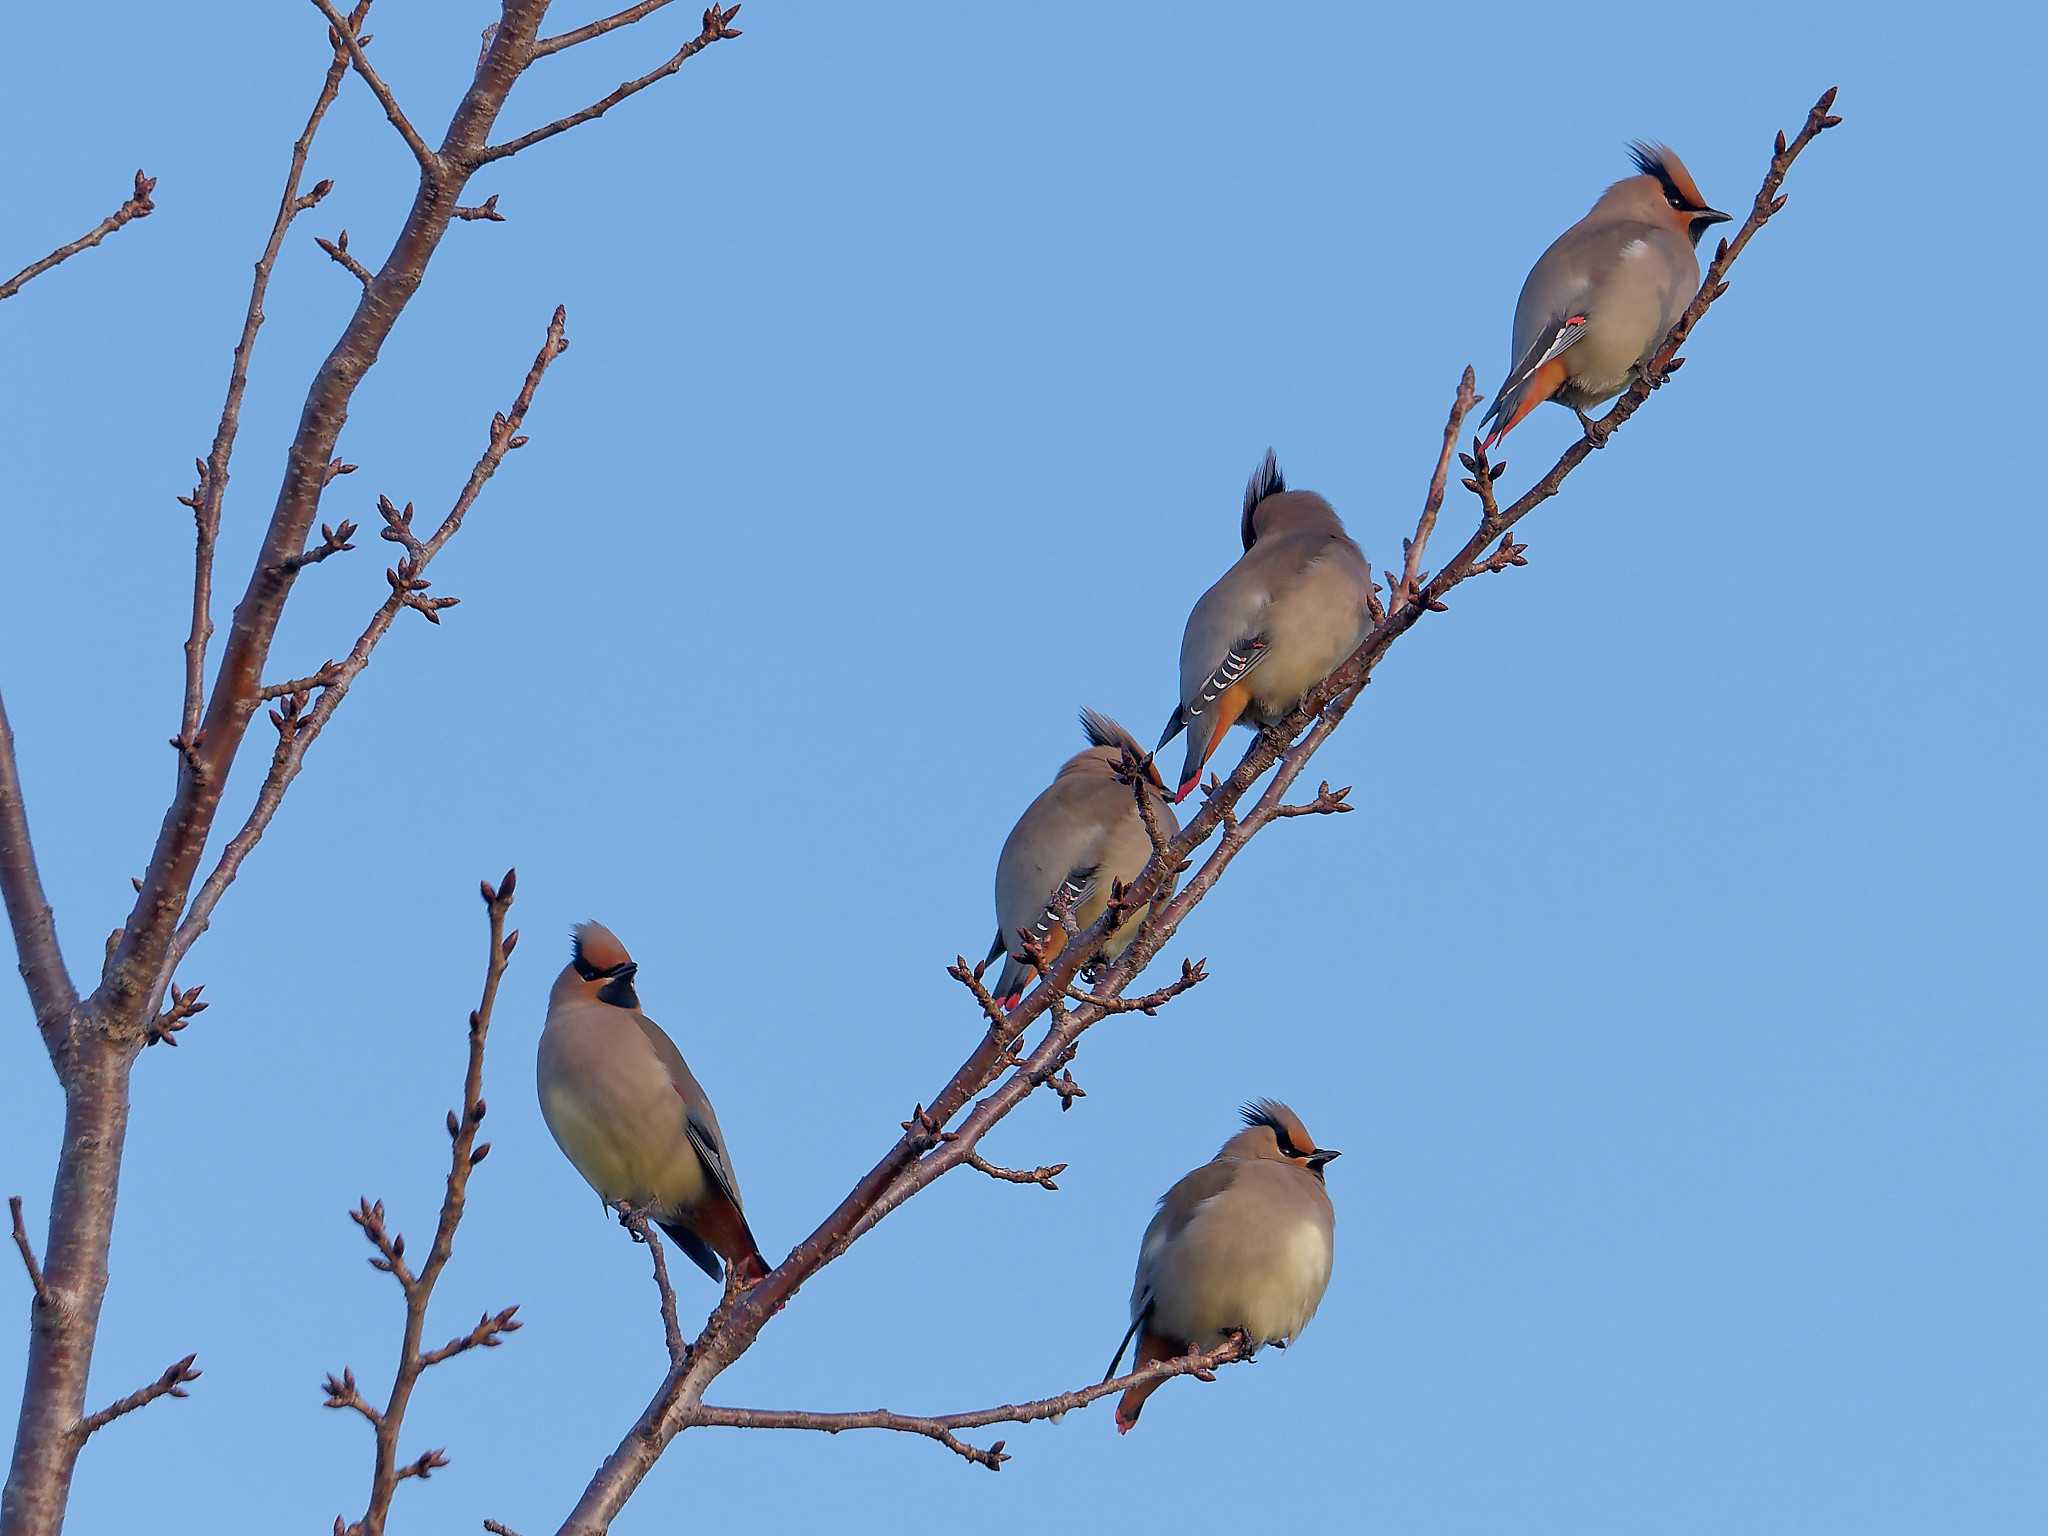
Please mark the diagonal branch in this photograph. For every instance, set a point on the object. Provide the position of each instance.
(41, 961)
(465, 1153)
(36, 1283)
(598, 28)
(926, 1149)
(343, 30)
(299, 726)
(138, 206)
(671, 1329)
(207, 496)
(172, 1383)
(715, 28)
(942, 1427)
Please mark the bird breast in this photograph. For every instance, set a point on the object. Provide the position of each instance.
(1233, 1268)
(1311, 628)
(616, 1115)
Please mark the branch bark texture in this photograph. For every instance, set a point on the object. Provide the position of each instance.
(93, 1042)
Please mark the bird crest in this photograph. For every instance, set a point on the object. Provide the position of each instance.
(594, 950)
(1266, 481)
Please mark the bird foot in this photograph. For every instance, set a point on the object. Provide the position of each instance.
(634, 1218)
(1596, 434)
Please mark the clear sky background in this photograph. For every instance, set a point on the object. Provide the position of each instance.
(1675, 991)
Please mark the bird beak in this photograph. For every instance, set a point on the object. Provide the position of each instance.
(627, 971)
(1712, 216)
(1317, 1159)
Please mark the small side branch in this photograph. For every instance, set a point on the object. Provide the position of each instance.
(465, 1153)
(41, 961)
(1192, 974)
(36, 1282)
(598, 28)
(176, 1377)
(717, 27)
(943, 1427)
(337, 252)
(138, 206)
(635, 1222)
(1041, 1176)
(300, 726)
(342, 29)
(1404, 587)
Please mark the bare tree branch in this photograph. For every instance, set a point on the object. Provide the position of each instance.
(344, 30)
(716, 28)
(1042, 1176)
(28, 1254)
(172, 1383)
(338, 252)
(138, 206)
(942, 1427)
(38, 956)
(298, 726)
(1411, 549)
(94, 1052)
(598, 28)
(635, 1222)
(926, 1149)
(211, 490)
(464, 1154)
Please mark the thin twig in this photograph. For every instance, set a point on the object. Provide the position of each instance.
(598, 28)
(942, 1427)
(138, 206)
(337, 252)
(211, 490)
(1042, 1176)
(28, 1254)
(1404, 588)
(172, 1383)
(338, 677)
(671, 1326)
(344, 29)
(34, 925)
(465, 1153)
(716, 28)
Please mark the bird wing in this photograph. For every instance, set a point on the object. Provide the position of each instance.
(711, 1148)
(700, 1123)
(1244, 654)
(1556, 337)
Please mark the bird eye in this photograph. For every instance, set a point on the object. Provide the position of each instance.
(1674, 200)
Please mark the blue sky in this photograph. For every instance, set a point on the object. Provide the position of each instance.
(1674, 991)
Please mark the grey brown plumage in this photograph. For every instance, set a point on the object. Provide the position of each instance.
(1245, 1241)
(1600, 300)
(1274, 625)
(628, 1113)
(1073, 842)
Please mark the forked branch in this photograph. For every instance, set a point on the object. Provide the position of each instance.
(138, 206)
(931, 1144)
(465, 1153)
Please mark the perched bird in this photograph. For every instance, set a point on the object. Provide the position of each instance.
(1609, 289)
(624, 1108)
(1277, 623)
(1082, 833)
(1242, 1244)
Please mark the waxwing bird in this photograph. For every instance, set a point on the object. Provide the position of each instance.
(625, 1110)
(1277, 623)
(1607, 292)
(1241, 1245)
(1081, 834)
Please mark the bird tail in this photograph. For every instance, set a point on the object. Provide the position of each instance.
(1151, 1347)
(1010, 985)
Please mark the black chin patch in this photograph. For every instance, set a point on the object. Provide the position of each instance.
(619, 993)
